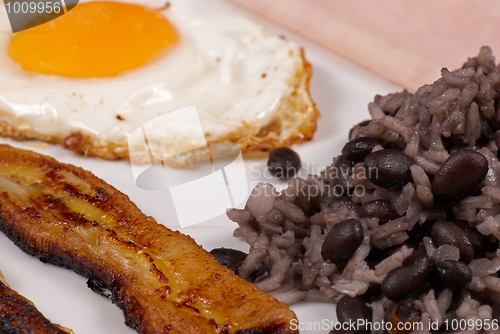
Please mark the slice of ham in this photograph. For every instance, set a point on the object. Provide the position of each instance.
(406, 42)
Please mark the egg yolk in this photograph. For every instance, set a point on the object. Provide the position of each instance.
(94, 39)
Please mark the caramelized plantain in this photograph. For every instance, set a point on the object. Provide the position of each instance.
(19, 315)
(161, 279)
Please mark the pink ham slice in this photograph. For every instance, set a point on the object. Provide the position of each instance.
(406, 42)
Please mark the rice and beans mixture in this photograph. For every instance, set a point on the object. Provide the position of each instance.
(404, 224)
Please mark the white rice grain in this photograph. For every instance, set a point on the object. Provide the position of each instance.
(493, 192)
(429, 166)
(492, 283)
(444, 300)
(446, 252)
(429, 246)
(468, 306)
(477, 202)
(398, 127)
(477, 284)
(368, 275)
(493, 226)
(261, 199)
(378, 314)
(291, 211)
(394, 261)
(276, 275)
(352, 288)
(432, 308)
(483, 267)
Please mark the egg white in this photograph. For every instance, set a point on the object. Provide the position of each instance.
(229, 67)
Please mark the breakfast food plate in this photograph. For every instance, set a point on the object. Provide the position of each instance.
(341, 91)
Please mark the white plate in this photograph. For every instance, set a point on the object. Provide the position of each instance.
(342, 92)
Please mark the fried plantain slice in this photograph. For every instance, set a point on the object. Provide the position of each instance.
(19, 315)
(161, 279)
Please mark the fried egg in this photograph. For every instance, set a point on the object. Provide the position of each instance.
(89, 78)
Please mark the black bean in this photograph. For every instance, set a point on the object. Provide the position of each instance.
(370, 262)
(389, 169)
(460, 175)
(259, 273)
(230, 258)
(401, 311)
(304, 201)
(376, 255)
(448, 143)
(311, 197)
(496, 311)
(283, 163)
(365, 122)
(486, 131)
(338, 203)
(453, 274)
(381, 209)
(418, 232)
(254, 224)
(458, 298)
(357, 149)
(341, 172)
(411, 276)
(349, 310)
(485, 296)
(342, 241)
(406, 310)
(373, 290)
(444, 232)
(479, 242)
